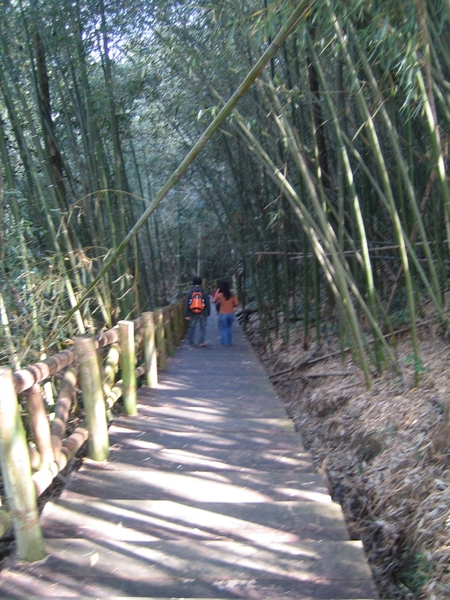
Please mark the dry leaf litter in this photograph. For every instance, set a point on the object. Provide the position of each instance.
(384, 452)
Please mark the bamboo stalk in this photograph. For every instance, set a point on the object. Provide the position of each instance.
(94, 404)
(16, 473)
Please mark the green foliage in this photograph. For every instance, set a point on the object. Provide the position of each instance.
(417, 573)
(417, 364)
(285, 197)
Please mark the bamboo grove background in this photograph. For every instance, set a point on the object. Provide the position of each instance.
(325, 192)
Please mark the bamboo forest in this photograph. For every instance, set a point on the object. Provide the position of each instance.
(299, 149)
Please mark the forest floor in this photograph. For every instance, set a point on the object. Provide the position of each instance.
(383, 451)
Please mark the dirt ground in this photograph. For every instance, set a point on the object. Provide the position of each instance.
(383, 451)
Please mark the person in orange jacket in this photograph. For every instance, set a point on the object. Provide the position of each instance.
(227, 301)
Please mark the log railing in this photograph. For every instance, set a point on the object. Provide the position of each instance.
(30, 461)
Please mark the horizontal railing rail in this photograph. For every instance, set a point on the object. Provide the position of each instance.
(32, 457)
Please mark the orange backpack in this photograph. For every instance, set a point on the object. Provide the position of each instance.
(197, 302)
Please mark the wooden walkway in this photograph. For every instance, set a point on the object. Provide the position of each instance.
(208, 493)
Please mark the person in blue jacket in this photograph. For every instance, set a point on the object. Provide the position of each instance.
(197, 309)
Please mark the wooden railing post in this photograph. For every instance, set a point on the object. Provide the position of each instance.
(183, 323)
(168, 328)
(128, 365)
(160, 339)
(40, 426)
(62, 409)
(94, 404)
(151, 371)
(176, 324)
(110, 368)
(16, 472)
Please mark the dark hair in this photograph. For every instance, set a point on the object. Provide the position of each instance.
(225, 289)
(197, 281)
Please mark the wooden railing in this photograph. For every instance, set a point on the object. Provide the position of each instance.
(134, 349)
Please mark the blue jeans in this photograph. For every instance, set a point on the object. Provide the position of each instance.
(226, 326)
(201, 319)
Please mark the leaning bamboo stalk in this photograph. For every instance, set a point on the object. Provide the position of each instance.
(16, 473)
(91, 386)
(151, 371)
(128, 359)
